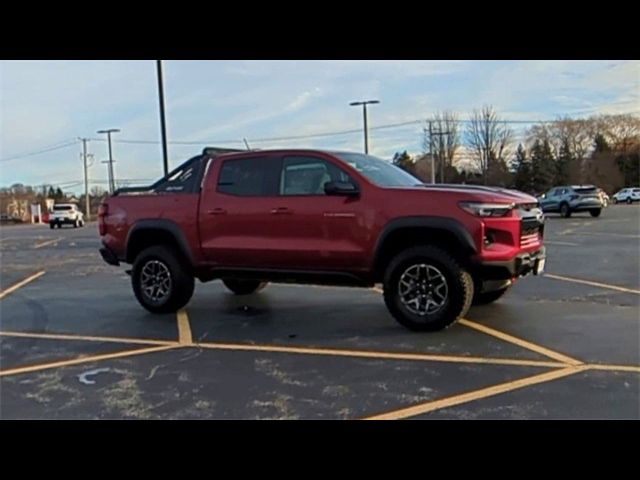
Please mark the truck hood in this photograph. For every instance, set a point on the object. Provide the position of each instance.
(492, 194)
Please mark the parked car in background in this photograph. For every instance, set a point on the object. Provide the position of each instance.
(6, 219)
(66, 214)
(628, 195)
(571, 199)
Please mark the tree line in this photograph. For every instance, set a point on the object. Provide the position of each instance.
(603, 150)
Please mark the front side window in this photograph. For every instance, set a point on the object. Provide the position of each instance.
(378, 171)
(308, 176)
(248, 177)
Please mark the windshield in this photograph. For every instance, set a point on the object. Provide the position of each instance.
(380, 172)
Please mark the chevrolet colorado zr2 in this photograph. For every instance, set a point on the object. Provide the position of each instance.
(322, 217)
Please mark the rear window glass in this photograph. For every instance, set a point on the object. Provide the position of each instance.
(586, 190)
(59, 208)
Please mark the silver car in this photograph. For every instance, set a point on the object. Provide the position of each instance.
(569, 199)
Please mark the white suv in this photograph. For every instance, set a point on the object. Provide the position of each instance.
(66, 213)
(627, 195)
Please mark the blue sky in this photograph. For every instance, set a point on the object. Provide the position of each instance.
(48, 103)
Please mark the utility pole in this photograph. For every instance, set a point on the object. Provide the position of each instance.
(112, 181)
(86, 180)
(433, 164)
(364, 114)
(440, 134)
(163, 125)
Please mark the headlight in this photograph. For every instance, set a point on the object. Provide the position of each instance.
(487, 209)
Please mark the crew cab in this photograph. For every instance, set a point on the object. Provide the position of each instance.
(322, 217)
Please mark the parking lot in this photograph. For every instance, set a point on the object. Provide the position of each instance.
(76, 344)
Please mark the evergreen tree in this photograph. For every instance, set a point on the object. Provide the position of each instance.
(522, 170)
(564, 163)
(404, 161)
(51, 193)
(542, 166)
(59, 195)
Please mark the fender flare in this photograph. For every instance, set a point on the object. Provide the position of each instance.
(165, 225)
(440, 223)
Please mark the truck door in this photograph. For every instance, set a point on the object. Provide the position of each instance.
(235, 224)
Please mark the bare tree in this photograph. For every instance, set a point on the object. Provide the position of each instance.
(489, 138)
(443, 142)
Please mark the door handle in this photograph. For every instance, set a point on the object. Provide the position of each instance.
(217, 211)
(280, 211)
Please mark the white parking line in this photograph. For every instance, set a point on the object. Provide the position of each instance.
(20, 284)
(570, 244)
(593, 284)
(48, 242)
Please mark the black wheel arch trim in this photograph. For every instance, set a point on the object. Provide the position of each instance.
(163, 224)
(440, 223)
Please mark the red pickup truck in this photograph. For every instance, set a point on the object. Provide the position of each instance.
(322, 217)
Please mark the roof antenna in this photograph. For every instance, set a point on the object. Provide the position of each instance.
(246, 143)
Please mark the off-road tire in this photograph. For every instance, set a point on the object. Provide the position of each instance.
(182, 282)
(459, 285)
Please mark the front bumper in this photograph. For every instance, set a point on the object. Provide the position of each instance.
(109, 257)
(519, 266)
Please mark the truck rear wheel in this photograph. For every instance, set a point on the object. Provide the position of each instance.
(425, 289)
(243, 287)
(160, 280)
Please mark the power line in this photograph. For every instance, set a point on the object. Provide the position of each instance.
(57, 146)
(278, 139)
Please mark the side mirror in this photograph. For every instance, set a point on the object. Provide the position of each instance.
(341, 188)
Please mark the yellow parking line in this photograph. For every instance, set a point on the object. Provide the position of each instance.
(77, 361)
(378, 355)
(593, 284)
(477, 394)
(521, 343)
(184, 328)
(20, 284)
(89, 338)
(615, 368)
(48, 242)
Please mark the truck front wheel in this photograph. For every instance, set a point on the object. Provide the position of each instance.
(160, 280)
(243, 287)
(425, 289)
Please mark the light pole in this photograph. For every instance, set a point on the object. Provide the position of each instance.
(163, 125)
(364, 114)
(112, 182)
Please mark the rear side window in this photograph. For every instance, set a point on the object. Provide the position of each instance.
(181, 180)
(249, 177)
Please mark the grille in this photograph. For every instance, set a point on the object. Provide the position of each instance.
(530, 233)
